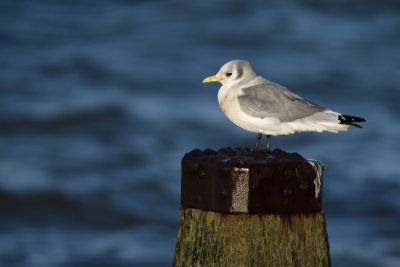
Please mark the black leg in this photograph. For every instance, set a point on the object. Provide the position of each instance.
(268, 143)
(258, 141)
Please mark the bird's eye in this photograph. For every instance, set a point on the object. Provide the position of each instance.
(228, 74)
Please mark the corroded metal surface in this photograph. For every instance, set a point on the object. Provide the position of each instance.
(243, 181)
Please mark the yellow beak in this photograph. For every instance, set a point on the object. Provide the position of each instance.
(212, 79)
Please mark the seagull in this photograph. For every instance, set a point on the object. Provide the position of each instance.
(264, 107)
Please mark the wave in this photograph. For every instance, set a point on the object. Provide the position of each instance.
(54, 208)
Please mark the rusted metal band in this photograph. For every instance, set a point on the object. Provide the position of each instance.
(243, 181)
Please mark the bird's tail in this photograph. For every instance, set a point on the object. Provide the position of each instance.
(350, 120)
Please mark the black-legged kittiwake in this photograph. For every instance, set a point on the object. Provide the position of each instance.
(264, 107)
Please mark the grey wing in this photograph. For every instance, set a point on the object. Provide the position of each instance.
(273, 100)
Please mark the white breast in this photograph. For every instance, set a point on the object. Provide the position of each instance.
(229, 103)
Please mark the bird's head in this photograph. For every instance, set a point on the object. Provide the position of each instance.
(233, 72)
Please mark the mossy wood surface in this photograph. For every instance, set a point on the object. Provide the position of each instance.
(207, 238)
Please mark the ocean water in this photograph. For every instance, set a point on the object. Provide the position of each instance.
(100, 100)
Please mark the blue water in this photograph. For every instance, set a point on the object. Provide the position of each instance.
(99, 101)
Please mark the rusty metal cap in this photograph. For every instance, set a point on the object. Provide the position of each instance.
(243, 181)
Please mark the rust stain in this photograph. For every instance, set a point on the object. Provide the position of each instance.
(187, 212)
(208, 182)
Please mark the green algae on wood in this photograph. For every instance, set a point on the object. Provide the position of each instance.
(207, 238)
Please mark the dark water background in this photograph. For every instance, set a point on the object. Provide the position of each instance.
(99, 100)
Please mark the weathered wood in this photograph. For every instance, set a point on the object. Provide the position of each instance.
(245, 208)
(207, 238)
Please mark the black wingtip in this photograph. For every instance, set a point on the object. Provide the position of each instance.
(350, 120)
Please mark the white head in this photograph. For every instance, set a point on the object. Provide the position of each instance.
(232, 73)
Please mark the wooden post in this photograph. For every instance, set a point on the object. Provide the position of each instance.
(245, 208)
